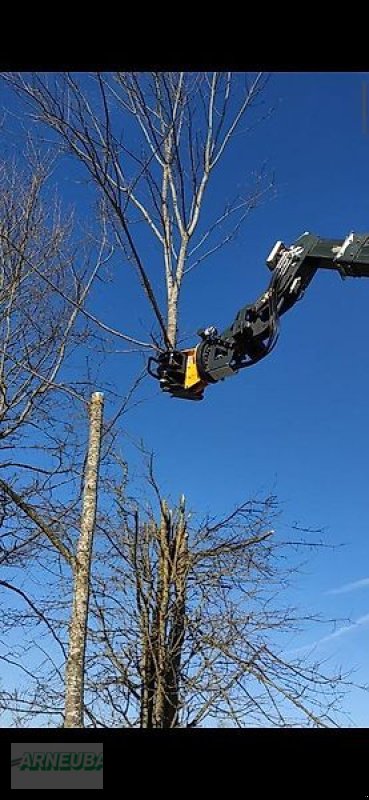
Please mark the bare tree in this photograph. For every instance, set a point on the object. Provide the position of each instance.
(151, 143)
(191, 626)
(39, 330)
(188, 626)
(45, 279)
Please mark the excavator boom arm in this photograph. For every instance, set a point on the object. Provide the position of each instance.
(254, 332)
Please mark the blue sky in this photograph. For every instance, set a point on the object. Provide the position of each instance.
(297, 423)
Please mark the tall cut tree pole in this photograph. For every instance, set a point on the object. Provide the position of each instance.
(74, 694)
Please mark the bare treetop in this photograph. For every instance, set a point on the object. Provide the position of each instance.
(150, 142)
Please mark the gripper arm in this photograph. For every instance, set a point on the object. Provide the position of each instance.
(254, 332)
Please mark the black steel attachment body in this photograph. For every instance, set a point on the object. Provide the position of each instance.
(253, 334)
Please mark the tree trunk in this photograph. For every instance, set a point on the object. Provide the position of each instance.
(160, 643)
(163, 635)
(178, 621)
(74, 690)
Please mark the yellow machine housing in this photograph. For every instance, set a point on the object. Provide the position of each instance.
(192, 377)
